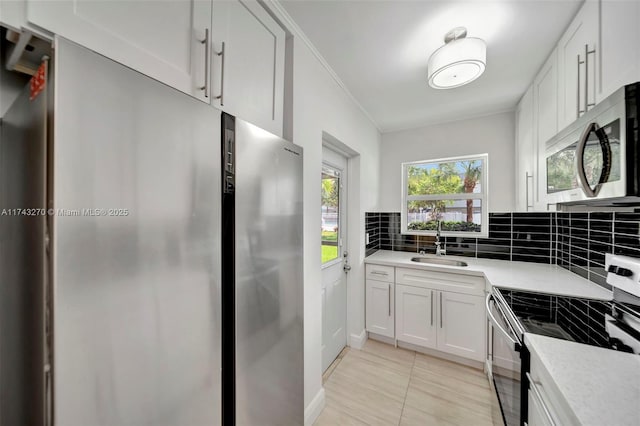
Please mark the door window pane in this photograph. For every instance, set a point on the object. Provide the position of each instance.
(330, 214)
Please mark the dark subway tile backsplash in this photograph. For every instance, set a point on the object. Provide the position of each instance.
(527, 236)
(575, 241)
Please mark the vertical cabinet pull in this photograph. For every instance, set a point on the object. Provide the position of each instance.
(389, 300)
(221, 95)
(586, 102)
(205, 41)
(578, 110)
(526, 184)
(440, 309)
(587, 52)
(431, 308)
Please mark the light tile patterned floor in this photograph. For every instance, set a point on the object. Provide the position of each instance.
(383, 385)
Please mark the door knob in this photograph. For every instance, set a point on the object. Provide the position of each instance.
(346, 268)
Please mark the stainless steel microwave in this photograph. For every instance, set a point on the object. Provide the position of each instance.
(595, 160)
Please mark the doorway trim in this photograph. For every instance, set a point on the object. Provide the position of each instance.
(356, 334)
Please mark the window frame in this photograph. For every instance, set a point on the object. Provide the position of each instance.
(482, 196)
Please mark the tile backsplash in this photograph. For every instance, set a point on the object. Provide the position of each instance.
(512, 236)
(575, 241)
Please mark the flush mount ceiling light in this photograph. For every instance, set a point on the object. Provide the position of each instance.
(460, 61)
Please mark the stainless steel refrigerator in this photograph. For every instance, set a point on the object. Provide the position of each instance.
(146, 316)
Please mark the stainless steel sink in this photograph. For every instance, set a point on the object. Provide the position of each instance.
(439, 261)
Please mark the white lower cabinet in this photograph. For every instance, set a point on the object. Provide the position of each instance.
(436, 310)
(547, 406)
(415, 315)
(379, 307)
(442, 320)
(461, 327)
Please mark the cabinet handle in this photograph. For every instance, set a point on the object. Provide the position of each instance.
(526, 185)
(221, 95)
(578, 110)
(379, 273)
(587, 52)
(206, 63)
(389, 300)
(431, 308)
(534, 387)
(440, 309)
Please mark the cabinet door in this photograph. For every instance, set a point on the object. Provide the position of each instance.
(577, 81)
(415, 315)
(379, 306)
(525, 153)
(161, 39)
(535, 414)
(461, 320)
(545, 117)
(248, 78)
(619, 45)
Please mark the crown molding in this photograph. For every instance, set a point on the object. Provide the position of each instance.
(296, 31)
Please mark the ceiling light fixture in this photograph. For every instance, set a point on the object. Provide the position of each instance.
(460, 61)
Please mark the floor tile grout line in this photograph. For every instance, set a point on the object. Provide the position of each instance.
(406, 392)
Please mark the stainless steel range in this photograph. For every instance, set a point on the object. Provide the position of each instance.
(613, 324)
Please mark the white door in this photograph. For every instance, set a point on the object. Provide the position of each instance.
(415, 315)
(334, 256)
(164, 40)
(461, 319)
(248, 77)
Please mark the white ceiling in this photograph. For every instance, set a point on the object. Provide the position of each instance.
(380, 48)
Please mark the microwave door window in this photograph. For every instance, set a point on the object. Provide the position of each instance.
(610, 138)
(561, 170)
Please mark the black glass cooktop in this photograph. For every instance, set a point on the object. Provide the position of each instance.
(569, 318)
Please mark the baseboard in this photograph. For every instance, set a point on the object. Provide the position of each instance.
(383, 339)
(488, 369)
(449, 357)
(357, 341)
(315, 407)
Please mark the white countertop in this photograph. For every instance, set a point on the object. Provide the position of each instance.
(526, 276)
(601, 386)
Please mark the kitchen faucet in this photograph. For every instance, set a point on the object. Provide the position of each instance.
(439, 251)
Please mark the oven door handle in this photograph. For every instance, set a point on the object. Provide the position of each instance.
(514, 342)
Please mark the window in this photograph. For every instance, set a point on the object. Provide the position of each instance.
(451, 190)
(330, 214)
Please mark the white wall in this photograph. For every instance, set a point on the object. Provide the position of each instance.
(320, 105)
(321, 108)
(493, 134)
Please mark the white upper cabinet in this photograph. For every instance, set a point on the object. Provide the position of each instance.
(247, 78)
(525, 153)
(620, 38)
(578, 52)
(545, 118)
(161, 39)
